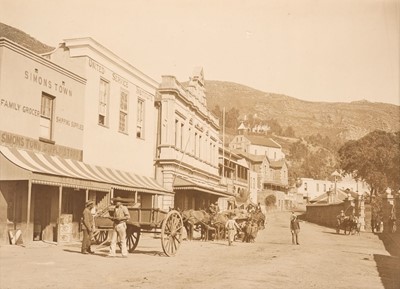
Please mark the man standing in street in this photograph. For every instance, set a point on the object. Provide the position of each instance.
(121, 215)
(295, 229)
(87, 228)
(231, 226)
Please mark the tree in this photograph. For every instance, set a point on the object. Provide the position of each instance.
(289, 131)
(270, 200)
(231, 118)
(275, 127)
(373, 158)
(218, 113)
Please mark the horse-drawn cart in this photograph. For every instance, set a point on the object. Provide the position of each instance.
(142, 220)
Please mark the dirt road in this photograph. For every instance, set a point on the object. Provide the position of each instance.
(322, 260)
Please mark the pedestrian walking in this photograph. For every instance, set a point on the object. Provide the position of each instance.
(87, 228)
(295, 229)
(120, 216)
(231, 226)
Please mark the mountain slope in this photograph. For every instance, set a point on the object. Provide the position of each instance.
(23, 39)
(346, 120)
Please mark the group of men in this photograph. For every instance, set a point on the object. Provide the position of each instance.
(119, 217)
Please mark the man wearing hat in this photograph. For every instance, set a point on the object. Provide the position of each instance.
(87, 228)
(295, 229)
(121, 215)
(340, 218)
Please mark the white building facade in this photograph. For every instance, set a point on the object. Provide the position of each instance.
(188, 143)
(76, 124)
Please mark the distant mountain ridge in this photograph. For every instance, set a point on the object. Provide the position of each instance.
(345, 120)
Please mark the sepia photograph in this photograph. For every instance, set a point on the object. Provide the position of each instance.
(182, 144)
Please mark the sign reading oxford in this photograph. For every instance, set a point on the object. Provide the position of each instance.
(26, 143)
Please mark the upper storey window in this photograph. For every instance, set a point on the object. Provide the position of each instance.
(46, 116)
(104, 93)
(140, 119)
(123, 112)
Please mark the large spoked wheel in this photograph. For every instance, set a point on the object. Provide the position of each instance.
(132, 238)
(100, 236)
(171, 233)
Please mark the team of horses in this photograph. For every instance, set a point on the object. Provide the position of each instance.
(212, 226)
(349, 224)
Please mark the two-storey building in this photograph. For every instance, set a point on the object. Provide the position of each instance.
(188, 143)
(77, 123)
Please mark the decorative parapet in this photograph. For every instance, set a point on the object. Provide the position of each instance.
(170, 82)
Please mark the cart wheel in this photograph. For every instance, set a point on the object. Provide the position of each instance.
(132, 238)
(100, 236)
(171, 233)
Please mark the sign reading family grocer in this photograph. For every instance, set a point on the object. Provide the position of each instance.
(7, 104)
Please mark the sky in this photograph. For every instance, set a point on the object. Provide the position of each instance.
(314, 50)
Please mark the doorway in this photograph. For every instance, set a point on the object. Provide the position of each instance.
(45, 213)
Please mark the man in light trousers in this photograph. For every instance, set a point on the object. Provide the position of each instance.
(121, 216)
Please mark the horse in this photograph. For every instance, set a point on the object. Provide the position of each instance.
(250, 230)
(192, 218)
(346, 224)
(259, 218)
(218, 221)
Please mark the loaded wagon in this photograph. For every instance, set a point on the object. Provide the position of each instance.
(168, 224)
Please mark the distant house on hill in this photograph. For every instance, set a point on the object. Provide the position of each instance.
(258, 145)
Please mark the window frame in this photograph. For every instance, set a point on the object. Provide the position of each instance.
(50, 118)
(106, 103)
(124, 111)
(140, 118)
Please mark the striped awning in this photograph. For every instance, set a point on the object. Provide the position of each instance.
(56, 166)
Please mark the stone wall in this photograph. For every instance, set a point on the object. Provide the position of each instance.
(325, 214)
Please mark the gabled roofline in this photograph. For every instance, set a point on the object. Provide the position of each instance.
(93, 45)
(5, 42)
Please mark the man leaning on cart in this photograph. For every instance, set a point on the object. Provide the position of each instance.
(120, 217)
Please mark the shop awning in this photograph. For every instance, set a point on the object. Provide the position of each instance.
(43, 164)
(185, 184)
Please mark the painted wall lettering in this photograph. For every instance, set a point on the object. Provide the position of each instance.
(19, 141)
(96, 66)
(6, 104)
(119, 79)
(35, 77)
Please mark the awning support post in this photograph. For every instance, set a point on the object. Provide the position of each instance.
(28, 217)
(59, 213)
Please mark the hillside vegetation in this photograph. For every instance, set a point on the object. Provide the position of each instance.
(336, 120)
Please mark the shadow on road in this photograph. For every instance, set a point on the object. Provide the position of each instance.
(389, 266)
(103, 253)
(388, 269)
(391, 243)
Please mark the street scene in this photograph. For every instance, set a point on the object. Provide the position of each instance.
(323, 259)
(199, 144)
